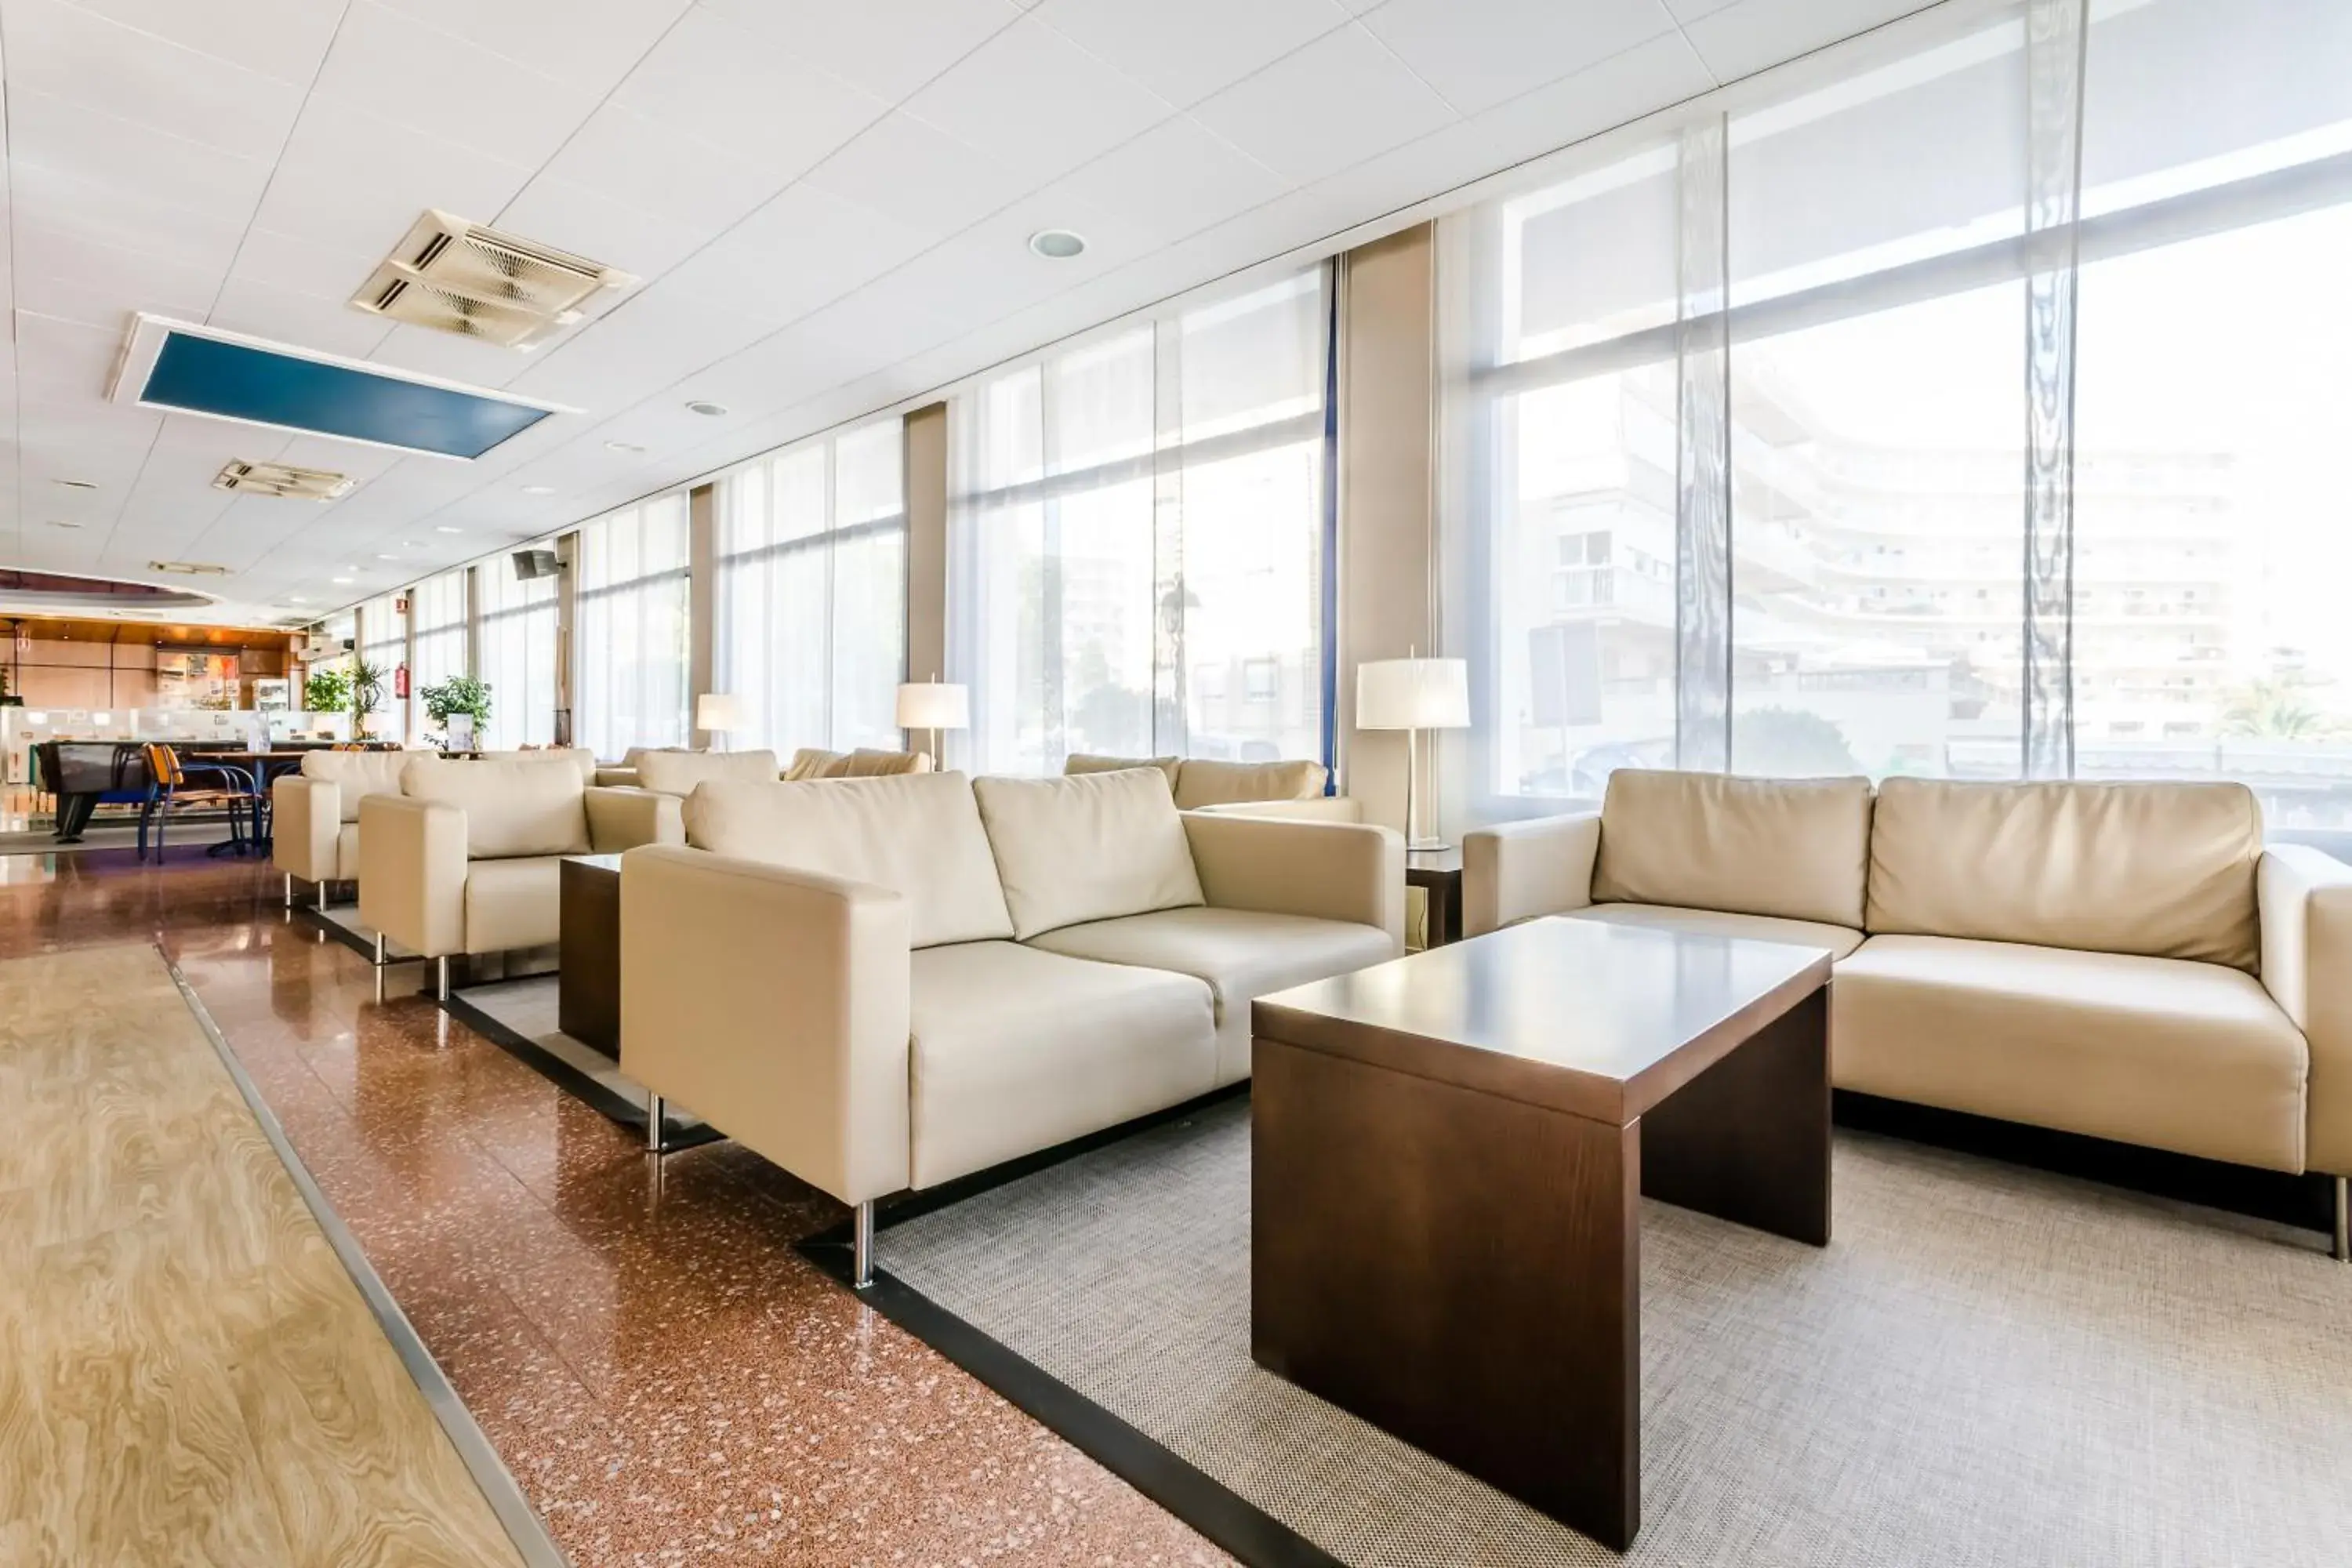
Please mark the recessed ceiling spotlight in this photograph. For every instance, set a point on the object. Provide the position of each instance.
(708, 409)
(387, 558)
(296, 599)
(623, 447)
(1058, 244)
(341, 581)
(539, 490)
(76, 484)
(412, 544)
(445, 528)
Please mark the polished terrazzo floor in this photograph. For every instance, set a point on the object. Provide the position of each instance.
(669, 1381)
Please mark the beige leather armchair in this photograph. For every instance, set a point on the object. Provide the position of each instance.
(465, 859)
(315, 816)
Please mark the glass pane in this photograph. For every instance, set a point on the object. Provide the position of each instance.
(1253, 605)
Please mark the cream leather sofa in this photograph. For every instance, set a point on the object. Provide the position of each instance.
(886, 984)
(315, 816)
(814, 762)
(680, 773)
(2126, 961)
(464, 859)
(1287, 789)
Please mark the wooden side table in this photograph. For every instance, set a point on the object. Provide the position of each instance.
(1438, 873)
(588, 983)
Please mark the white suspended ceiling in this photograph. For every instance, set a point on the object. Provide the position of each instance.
(827, 201)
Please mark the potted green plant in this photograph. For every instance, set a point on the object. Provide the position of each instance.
(328, 691)
(366, 692)
(459, 697)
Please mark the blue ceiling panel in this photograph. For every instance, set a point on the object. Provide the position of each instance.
(233, 381)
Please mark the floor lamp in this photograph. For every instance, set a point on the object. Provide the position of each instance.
(1413, 695)
(716, 714)
(934, 705)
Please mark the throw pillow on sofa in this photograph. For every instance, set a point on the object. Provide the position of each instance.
(1088, 847)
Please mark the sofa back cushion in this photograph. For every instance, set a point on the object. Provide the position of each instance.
(1078, 763)
(868, 763)
(1795, 849)
(579, 757)
(915, 834)
(512, 809)
(1203, 782)
(359, 775)
(1088, 847)
(681, 773)
(2165, 871)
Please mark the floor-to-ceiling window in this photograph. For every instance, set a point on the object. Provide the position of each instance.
(1137, 539)
(1970, 414)
(436, 616)
(632, 592)
(811, 593)
(383, 647)
(518, 642)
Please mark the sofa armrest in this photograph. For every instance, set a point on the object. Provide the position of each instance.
(305, 814)
(1315, 808)
(1330, 870)
(413, 873)
(1518, 871)
(775, 1004)
(2304, 898)
(622, 819)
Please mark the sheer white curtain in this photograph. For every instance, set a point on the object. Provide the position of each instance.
(518, 639)
(632, 593)
(2020, 473)
(384, 643)
(1137, 540)
(811, 569)
(436, 614)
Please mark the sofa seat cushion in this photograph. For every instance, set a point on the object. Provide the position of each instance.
(1795, 849)
(1087, 846)
(2194, 1058)
(1241, 954)
(513, 903)
(1014, 1049)
(1839, 939)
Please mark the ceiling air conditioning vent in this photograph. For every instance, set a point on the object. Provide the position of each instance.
(459, 276)
(283, 479)
(188, 568)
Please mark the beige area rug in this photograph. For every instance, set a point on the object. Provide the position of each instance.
(188, 1374)
(1986, 1366)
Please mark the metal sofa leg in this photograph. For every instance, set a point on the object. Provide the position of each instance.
(861, 1246)
(289, 889)
(2343, 1252)
(655, 1110)
(441, 978)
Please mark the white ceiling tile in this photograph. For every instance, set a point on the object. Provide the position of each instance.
(1175, 179)
(1186, 52)
(131, 159)
(1478, 53)
(905, 169)
(282, 39)
(804, 249)
(1037, 102)
(450, 357)
(49, 197)
(305, 320)
(589, 222)
(81, 56)
(1691, 10)
(1451, 156)
(717, 78)
(1340, 100)
(658, 169)
(418, 77)
(1740, 39)
(591, 44)
(890, 47)
(105, 286)
(352, 181)
(282, 261)
(1640, 81)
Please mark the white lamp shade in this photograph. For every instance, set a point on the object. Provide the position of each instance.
(934, 705)
(716, 711)
(1413, 694)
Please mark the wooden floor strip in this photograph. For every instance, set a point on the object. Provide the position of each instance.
(196, 1366)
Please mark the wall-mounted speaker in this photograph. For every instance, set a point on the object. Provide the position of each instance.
(530, 563)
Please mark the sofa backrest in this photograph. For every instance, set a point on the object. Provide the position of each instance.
(357, 773)
(630, 757)
(1796, 848)
(680, 772)
(579, 757)
(1204, 782)
(2165, 871)
(1087, 846)
(1078, 763)
(917, 834)
(866, 763)
(512, 809)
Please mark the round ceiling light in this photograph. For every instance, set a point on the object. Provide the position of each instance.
(708, 410)
(623, 447)
(539, 490)
(1058, 244)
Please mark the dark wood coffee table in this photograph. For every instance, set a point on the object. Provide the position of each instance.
(1448, 1154)
(588, 975)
